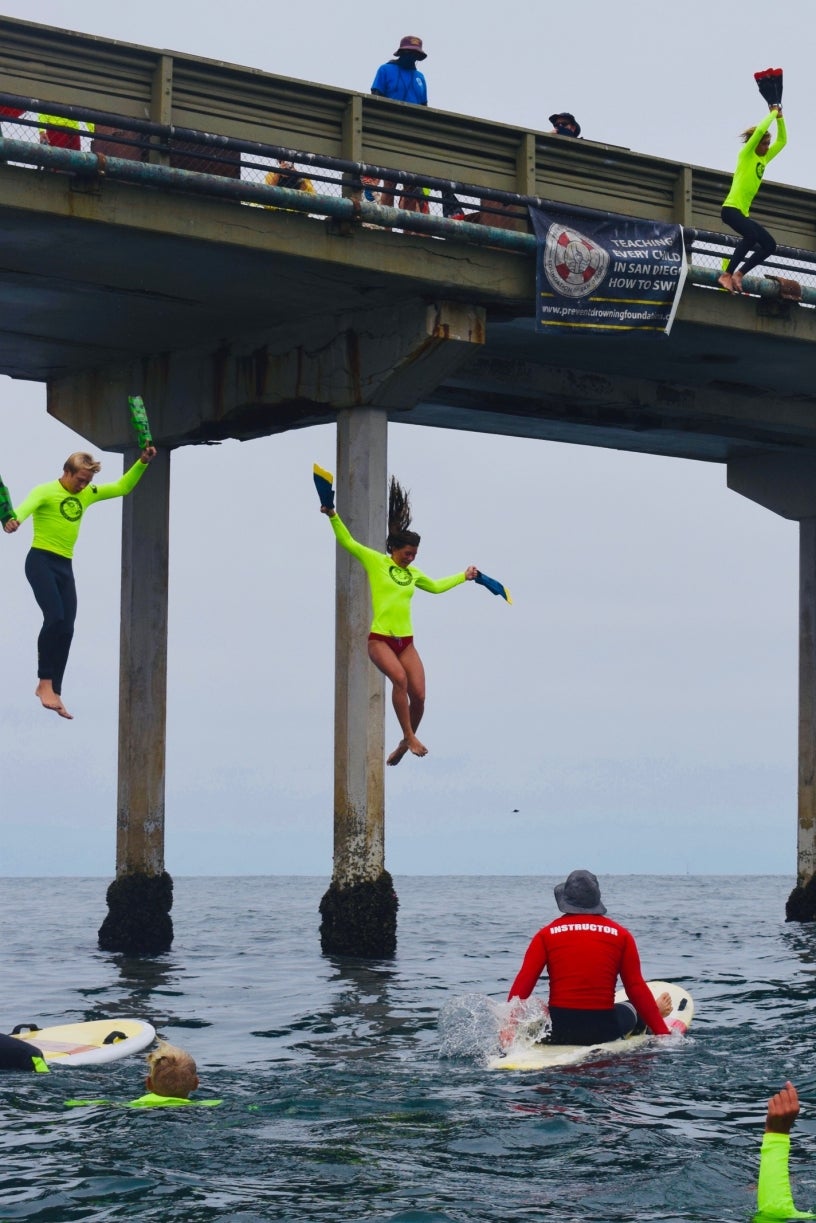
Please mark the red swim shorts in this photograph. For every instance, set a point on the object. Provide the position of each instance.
(397, 644)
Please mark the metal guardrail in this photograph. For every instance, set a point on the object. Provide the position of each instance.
(166, 87)
(101, 143)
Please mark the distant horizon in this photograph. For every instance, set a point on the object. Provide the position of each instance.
(456, 875)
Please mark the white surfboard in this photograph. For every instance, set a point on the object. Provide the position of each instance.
(543, 1056)
(88, 1044)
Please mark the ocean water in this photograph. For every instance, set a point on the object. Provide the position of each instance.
(344, 1099)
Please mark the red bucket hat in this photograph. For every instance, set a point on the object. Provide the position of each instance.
(413, 44)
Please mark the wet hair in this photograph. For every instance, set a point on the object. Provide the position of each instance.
(172, 1071)
(80, 461)
(399, 519)
(748, 133)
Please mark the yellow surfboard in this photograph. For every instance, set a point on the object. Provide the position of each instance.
(544, 1056)
(91, 1043)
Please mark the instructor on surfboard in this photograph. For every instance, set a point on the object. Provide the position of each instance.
(584, 958)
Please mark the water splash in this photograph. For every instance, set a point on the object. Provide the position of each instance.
(476, 1026)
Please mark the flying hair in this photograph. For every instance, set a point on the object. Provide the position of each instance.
(399, 518)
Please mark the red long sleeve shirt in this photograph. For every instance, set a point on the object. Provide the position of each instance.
(584, 955)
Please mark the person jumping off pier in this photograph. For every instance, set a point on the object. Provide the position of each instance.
(393, 579)
(751, 164)
(58, 508)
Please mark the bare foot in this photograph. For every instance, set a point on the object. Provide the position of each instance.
(727, 282)
(664, 1004)
(398, 752)
(736, 281)
(419, 749)
(50, 699)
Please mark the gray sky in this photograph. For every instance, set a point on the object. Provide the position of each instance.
(633, 711)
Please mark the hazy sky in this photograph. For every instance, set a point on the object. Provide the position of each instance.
(633, 711)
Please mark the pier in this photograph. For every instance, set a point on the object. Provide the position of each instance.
(141, 263)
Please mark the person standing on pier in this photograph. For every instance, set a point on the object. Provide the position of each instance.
(751, 163)
(57, 508)
(401, 81)
(393, 579)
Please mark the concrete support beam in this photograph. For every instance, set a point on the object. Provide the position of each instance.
(359, 701)
(161, 102)
(143, 671)
(806, 835)
(684, 197)
(359, 911)
(786, 484)
(265, 383)
(140, 899)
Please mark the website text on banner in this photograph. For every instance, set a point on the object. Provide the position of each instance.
(610, 274)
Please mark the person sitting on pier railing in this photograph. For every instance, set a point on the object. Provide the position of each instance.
(393, 579)
(751, 165)
(61, 133)
(287, 176)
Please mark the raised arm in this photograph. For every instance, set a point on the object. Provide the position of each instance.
(345, 538)
(781, 135)
(759, 131)
(774, 1199)
(128, 481)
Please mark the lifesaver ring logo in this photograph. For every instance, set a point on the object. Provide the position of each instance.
(573, 264)
(402, 577)
(71, 508)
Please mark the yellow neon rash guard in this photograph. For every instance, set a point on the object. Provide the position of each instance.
(751, 167)
(151, 1100)
(392, 588)
(58, 513)
(774, 1200)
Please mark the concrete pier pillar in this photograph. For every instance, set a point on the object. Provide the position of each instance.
(786, 484)
(360, 908)
(801, 904)
(140, 898)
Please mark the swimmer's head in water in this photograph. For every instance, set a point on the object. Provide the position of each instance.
(172, 1071)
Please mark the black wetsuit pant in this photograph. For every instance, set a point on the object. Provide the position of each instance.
(51, 577)
(574, 1027)
(754, 237)
(17, 1054)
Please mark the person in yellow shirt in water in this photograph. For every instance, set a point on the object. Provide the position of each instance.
(774, 1199)
(172, 1078)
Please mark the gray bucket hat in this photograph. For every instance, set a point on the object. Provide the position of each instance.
(579, 893)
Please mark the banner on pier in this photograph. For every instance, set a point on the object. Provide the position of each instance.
(607, 274)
